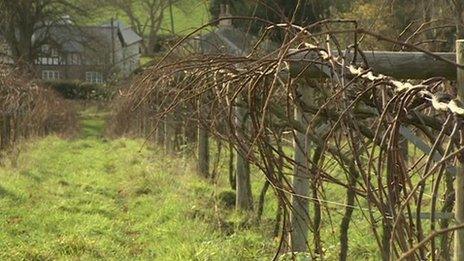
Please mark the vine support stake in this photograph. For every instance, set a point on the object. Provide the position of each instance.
(301, 181)
(203, 145)
(244, 196)
(459, 182)
(169, 132)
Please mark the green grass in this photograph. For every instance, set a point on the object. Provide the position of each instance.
(94, 198)
(93, 123)
(91, 198)
(188, 15)
(362, 244)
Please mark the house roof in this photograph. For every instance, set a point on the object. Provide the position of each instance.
(129, 36)
(69, 37)
(73, 38)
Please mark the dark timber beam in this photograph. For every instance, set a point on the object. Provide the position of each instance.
(400, 65)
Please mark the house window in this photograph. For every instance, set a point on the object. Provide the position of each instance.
(49, 61)
(49, 51)
(45, 49)
(49, 56)
(74, 59)
(54, 52)
(49, 75)
(94, 77)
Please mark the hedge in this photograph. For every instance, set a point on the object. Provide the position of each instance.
(76, 90)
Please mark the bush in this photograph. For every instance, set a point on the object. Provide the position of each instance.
(28, 109)
(75, 90)
(227, 198)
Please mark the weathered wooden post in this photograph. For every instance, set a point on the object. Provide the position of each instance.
(5, 131)
(1, 133)
(160, 133)
(459, 182)
(203, 145)
(300, 183)
(231, 166)
(244, 197)
(169, 132)
(203, 152)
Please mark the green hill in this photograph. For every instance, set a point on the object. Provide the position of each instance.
(188, 15)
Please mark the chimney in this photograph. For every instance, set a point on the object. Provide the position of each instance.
(225, 15)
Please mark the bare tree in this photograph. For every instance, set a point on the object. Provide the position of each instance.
(145, 16)
(22, 19)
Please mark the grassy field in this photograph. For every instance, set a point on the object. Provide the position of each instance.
(188, 15)
(94, 198)
(91, 198)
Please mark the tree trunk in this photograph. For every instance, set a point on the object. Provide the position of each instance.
(262, 197)
(386, 233)
(345, 224)
(448, 204)
(281, 204)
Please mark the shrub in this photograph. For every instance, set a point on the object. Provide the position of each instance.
(28, 109)
(76, 90)
(227, 198)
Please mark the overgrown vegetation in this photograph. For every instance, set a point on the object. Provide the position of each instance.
(348, 124)
(30, 110)
(299, 138)
(76, 90)
(94, 198)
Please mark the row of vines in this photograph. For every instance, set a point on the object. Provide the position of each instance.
(29, 110)
(350, 154)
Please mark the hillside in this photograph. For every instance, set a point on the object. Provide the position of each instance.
(188, 15)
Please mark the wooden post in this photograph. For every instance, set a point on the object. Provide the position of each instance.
(2, 120)
(301, 187)
(231, 166)
(459, 182)
(203, 146)
(160, 133)
(244, 196)
(169, 132)
(5, 132)
(400, 65)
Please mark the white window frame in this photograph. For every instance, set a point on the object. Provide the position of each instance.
(54, 52)
(45, 49)
(50, 75)
(94, 77)
(74, 59)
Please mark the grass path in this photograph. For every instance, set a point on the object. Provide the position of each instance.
(91, 198)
